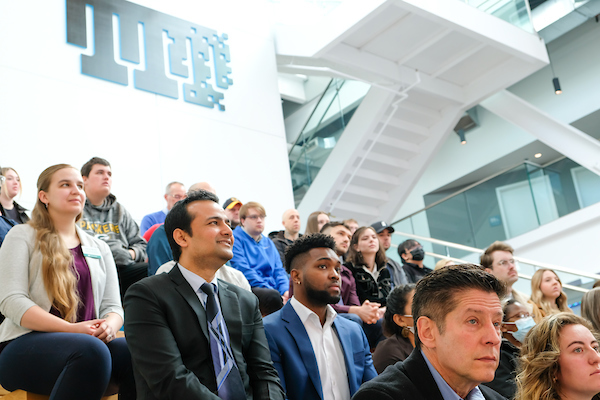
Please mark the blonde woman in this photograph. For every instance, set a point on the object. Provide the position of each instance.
(560, 360)
(60, 297)
(547, 296)
(11, 187)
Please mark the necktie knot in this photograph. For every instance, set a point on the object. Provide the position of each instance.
(208, 288)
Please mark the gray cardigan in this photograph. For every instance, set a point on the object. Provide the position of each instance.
(22, 284)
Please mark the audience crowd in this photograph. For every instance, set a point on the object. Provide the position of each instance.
(200, 303)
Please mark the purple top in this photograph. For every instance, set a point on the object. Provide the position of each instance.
(85, 311)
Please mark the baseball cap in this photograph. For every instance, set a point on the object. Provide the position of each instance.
(230, 203)
(380, 226)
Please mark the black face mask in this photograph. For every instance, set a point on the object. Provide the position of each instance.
(418, 254)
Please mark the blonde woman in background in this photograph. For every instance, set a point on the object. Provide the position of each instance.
(590, 307)
(60, 297)
(9, 190)
(547, 296)
(560, 360)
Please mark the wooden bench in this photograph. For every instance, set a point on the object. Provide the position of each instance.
(22, 395)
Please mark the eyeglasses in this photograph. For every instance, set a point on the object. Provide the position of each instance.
(178, 196)
(504, 262)
(520, 316)
(255, 217)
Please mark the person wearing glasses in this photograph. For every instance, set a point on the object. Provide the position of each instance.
(5, 223)
(398, 326)
(515, 324)
(499, 261)
(175, 191)
(256, 256)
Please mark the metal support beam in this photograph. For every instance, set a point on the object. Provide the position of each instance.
(564, 138)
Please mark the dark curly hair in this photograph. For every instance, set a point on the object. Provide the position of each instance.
(306, 243)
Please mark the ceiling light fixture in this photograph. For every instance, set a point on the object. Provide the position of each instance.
(537, 155)
(555, 82)
(461, 135)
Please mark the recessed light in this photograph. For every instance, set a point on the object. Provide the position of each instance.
(537, 155)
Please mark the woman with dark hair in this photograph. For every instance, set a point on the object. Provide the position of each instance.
(315, 222)
(399, 326)
(11, 187)
(367, 261)
(60, 297)
(560, 360)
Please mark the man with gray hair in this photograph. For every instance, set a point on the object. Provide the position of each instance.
(174, 192)
(457, 320)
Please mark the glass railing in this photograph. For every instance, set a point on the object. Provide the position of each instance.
(322, 131)
(510, 203)
(575, 283)
(516, 12)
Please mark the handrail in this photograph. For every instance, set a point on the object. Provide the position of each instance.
(472, 185)
(311, 115)
(535, 264)
(528, 277)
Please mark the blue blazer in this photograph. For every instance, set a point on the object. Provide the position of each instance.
(295, 361)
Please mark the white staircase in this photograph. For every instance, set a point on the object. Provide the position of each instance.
(428, 61)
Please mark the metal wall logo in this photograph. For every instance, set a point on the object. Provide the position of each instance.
(160, 48)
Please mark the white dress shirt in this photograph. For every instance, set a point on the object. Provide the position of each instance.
(328, 351)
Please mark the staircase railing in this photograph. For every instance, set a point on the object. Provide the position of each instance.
(575, 282)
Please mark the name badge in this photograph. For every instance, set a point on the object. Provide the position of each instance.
(92, 252)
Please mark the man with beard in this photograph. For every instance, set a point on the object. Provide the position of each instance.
(317, 355)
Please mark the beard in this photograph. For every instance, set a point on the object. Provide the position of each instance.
(320, 297)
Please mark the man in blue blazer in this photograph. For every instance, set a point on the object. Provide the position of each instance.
(317, 355)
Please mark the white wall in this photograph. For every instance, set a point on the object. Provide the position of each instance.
(50, 113)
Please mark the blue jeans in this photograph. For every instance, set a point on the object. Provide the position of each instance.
(67, 366)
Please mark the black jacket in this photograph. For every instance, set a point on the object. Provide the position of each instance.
(21, 210)
(504, 379)
(367, 288)
(409, 380)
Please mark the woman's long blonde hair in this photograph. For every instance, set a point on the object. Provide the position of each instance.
(59, 278)
(539, 367)
(537, 297)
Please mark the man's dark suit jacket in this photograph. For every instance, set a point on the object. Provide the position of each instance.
(409, 380)
(167, 334)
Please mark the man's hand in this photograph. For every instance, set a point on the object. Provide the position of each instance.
(286, 297)
(132, 253)
(368, 312)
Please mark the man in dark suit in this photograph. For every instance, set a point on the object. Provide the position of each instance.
(176, 353)
(317, 355)
(458, 317)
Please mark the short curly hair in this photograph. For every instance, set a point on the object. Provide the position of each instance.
(306, 243)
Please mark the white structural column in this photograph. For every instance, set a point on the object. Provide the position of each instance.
(564, 138)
